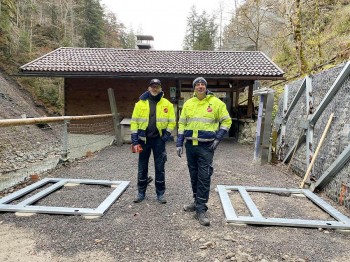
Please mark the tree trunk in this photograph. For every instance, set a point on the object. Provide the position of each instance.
(302, 66)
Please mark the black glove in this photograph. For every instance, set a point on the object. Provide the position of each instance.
(179, 151)
(134, 139)
(180, 140)
(215, 144)
(166, 136)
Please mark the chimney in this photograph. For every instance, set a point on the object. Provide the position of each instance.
(144, 41)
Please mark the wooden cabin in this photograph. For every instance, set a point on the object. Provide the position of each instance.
(89, 72)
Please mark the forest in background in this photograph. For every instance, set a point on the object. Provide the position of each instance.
(300, 36)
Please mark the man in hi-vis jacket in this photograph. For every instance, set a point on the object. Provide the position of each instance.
(152, 122)
(203, 122)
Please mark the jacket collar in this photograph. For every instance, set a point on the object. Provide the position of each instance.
(147, 95)
(208, 93)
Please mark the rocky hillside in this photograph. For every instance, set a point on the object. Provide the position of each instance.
(15, 102)
(23, 146)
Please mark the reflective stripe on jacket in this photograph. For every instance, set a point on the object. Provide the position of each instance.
(165, 116)
(200, 120)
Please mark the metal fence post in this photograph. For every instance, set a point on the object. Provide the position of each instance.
(258, 128)
(64, 155)
(310, 128)
(263, 127)
(266, 141)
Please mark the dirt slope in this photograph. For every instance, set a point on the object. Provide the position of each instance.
(21, 146)
(15, 101)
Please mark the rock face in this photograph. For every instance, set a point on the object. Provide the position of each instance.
(247, 132)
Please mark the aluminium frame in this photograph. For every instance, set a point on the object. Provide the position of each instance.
(26, 207)
(257, 218)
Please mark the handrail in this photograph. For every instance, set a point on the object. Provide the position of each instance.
(38, 120)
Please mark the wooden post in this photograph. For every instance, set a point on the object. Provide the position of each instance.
(250, 101)
(116, 122)
(317, 150)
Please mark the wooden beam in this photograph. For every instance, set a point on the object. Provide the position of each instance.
(250, 101)
(317, 150)
(116, 121)
(38, 120)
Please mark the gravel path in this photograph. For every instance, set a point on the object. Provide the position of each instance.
(149, 231)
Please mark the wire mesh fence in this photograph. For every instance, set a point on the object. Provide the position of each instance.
(324, 163)
(35, 148)
(88, 137)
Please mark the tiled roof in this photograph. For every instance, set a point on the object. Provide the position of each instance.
(110, 61)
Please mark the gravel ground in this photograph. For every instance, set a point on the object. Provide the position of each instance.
(150, 231)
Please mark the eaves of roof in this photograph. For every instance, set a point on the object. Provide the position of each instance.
(111, 62)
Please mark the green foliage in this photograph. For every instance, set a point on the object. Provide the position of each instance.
(44, 36)
(341, 25)
(7, 14)
(30, 29)
(24, 42)
(279, 89)
(47, 91)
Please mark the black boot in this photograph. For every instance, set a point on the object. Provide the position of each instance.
(139, 198)
(190, 207)
(203, 220)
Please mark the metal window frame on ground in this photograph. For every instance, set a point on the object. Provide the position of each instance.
(25, 205)
(256, 217)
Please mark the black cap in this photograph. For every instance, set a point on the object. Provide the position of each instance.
(155, 82)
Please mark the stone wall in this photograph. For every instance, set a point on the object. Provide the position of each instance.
(337, 137)
(247, 132)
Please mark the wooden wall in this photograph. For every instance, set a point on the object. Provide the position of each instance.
(89, 96)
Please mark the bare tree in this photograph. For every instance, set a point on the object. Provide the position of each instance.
(221, 11)
(251, 24)
(294, 15)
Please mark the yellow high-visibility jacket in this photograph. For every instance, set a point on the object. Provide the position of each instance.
(203, 120)
(165, 117)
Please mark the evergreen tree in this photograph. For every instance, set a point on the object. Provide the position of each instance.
(201, 31)
(93, 27)
(113, 31)
(129, 40)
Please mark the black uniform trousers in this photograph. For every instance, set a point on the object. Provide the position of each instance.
(200, 166)
(157, 146)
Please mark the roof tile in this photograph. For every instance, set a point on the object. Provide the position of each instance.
(118, 61)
